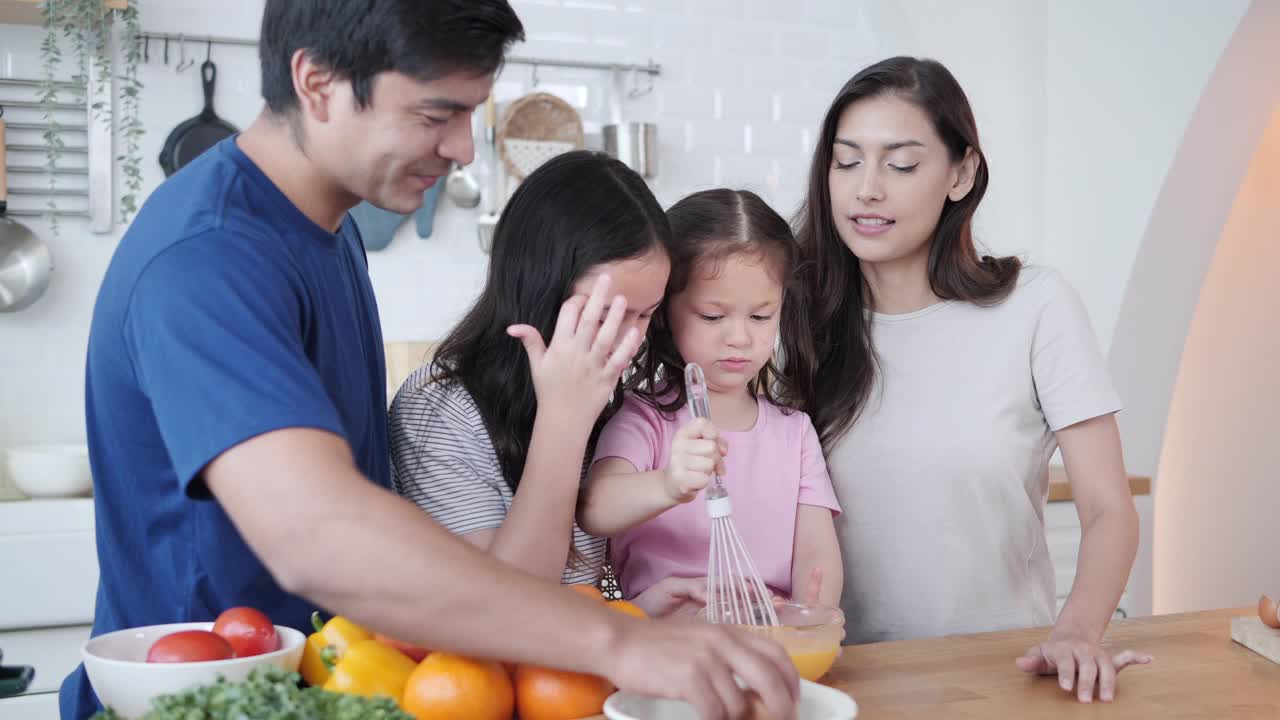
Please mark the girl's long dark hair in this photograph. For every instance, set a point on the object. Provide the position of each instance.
(575, 212)
(708, 227)
(837, 391)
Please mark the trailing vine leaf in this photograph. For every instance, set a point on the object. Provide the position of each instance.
(51, 58)
(86, 28)
(131, 125)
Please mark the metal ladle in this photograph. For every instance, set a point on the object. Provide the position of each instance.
(25, 261)
(462, 187)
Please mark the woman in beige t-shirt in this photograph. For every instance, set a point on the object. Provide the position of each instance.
(944, 384)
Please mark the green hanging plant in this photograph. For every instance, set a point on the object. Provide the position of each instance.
(85, 26)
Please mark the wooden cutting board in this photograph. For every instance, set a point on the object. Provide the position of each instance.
(1253, 634)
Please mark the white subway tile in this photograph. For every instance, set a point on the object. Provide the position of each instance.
(781, 140)
(608, 5)
(774, 11)
(747, 105)
(682, 34)
(745, 39)
(549, 24)
(685, 100)
(776, 74)
(714, 69)
(657, 7)
(830, 13)
(745, 172)
(723, 136)
(802, 43)
(623, 31)
(719, 9)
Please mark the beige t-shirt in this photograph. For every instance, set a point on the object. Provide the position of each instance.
(944, 477)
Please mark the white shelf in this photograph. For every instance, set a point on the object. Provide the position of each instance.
(29, 517)
(27, 12)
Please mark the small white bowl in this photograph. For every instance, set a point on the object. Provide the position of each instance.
(126, 682)
(48, 471)
(817, 702)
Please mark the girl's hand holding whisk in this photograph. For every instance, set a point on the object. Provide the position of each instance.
(581, 366)
(697, 452)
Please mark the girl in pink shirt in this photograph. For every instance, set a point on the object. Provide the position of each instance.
(729, 297)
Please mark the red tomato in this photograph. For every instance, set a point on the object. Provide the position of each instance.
(414, 652)
(189, 646)
(248, 630)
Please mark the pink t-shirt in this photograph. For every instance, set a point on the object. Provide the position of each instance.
(769, 471)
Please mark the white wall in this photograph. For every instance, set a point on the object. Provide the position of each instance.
(1123, 79)
(1216, 507)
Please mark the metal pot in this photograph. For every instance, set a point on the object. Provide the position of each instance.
(25, 262)
(635, 144)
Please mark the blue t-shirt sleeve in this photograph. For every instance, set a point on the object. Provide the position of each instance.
(217, 343)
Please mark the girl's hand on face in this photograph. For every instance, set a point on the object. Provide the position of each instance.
(580, 368)
(696, 453)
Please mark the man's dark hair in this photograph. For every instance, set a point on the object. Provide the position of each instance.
(358, 39)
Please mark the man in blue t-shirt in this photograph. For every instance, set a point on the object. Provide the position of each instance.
(235, 382)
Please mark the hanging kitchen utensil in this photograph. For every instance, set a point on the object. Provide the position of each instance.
(536, 128)
(634, 143)
(462, 187)
(25, 261)
(199, 133)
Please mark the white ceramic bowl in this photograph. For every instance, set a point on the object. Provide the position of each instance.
(817, 702)
(47, 471)
(125, 681)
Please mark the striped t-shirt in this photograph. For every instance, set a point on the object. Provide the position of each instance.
(443, 460)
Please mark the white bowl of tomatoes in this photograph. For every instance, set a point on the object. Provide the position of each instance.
(128, 668)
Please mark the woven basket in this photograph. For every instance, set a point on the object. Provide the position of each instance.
(536, 128)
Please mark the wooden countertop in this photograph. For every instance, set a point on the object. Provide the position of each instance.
(1198, 672)
(1060, 488)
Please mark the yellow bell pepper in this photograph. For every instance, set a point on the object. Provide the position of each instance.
(326, 646)
(370, 668)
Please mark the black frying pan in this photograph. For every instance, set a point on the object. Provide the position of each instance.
(196, 134)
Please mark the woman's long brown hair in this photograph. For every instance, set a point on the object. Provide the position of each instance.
(836, 392)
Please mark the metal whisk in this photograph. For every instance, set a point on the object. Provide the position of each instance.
(735, 592)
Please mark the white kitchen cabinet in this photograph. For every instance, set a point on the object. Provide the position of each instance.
(53, 652)
(49, 566)
(1062, 536)
(43, 706)
(48, 562)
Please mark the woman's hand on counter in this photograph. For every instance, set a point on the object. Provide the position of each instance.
(1080, 664)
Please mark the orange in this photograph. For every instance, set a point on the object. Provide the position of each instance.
(590, 591)
(628, 607)
(450, 686)
(544, 694)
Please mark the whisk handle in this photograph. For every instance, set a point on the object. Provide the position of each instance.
(695, 386)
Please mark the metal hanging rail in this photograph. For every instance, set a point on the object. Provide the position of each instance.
(42, 127)
(650, 67)
(25, 82)
(35, 105)
(22, 212)
(43, 170)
